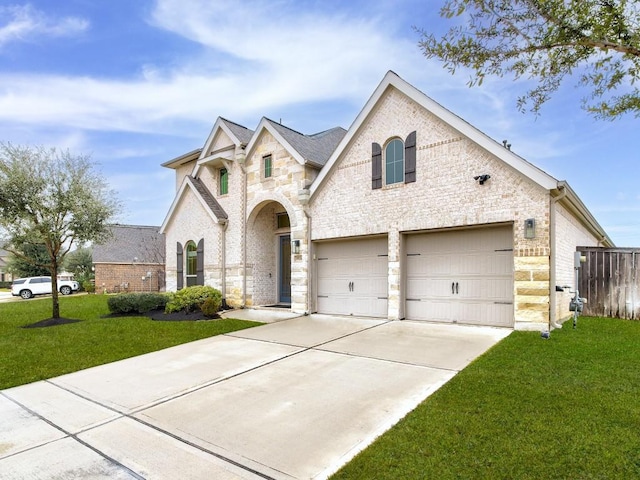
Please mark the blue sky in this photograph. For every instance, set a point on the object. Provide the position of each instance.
(137, 83)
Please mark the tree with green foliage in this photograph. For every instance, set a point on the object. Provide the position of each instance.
(55, 199)
(547, 40)
(29, 263)
(79, 262)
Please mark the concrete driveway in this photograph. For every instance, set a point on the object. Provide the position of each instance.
(293, 399)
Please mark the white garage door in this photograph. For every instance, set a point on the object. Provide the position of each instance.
(463, 276)
(352, 277)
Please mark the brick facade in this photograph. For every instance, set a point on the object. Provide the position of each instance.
(115, 277)
(337, 202)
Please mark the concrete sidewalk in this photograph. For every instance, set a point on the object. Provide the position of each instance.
(297, 398)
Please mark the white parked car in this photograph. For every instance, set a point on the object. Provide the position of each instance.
(28, 287)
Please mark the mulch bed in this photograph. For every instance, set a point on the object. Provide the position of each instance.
(157, 315)
(51, 322)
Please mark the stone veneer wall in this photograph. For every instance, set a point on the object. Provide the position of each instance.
(265, 198)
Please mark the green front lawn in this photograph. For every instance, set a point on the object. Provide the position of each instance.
(563, 408)
(30, 354)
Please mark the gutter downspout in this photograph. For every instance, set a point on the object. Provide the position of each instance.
(553, 304)
(223, 261)
(310, 271)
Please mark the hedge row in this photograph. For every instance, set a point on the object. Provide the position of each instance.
(137, 302)
(190, 299)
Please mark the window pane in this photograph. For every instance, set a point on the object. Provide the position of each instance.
(394, 161)
(224, 181)
(192, 258)
(267, 166)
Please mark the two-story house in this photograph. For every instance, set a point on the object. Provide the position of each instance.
(412, 214)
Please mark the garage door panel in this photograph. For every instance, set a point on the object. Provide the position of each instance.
(433, 310)
(353, 277)
(477, 263)
(428, 288)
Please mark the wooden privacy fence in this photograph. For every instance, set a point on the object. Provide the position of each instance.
(610, 281)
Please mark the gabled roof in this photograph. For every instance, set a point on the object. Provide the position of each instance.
(182, 159)
(238, 134)
(312, 150)
(131, 243)
(242, 134)
(208, 198)
(392, 81)
(204, 196)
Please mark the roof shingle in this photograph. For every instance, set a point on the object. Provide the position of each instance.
(131, 243)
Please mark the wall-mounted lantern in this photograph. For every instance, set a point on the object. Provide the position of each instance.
(530, 228)
(296, 246)
(481, 179)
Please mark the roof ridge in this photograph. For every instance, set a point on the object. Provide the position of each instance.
(234, 123)
(328, 130)
(284, 126)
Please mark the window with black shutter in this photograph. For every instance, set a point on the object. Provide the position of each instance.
(410, 158)
(200, 263)
(179, 267)
(376, 166)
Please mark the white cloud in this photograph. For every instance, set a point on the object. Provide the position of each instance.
(257, 56)
(25, 22)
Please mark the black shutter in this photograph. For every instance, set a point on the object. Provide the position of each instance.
(200, 263)
(376, 166)
(179, 267)
(410, 158)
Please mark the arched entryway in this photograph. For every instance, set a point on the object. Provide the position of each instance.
(269, 255)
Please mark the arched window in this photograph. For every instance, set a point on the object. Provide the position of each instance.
(394, 162)
(191, 263)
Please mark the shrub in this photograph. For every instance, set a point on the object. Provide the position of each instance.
(89, 286)
(136, 302)
(190, 299)
(211, 306)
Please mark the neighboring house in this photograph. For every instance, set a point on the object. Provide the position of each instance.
(131, 260)
(4, 259)
(410, 214)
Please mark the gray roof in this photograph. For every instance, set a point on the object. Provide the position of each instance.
(316, 148)
(242, 133)
(209, 199)
(131, 244)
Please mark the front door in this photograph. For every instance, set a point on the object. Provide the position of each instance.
(284, 274)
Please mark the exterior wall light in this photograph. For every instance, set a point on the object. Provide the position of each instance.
(296, 246)
(530, 228)
(482, 178)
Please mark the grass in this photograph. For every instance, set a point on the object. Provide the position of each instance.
(563, 408)
(30, 354)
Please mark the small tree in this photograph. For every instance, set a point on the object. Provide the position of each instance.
(52, 198)
(79, 262)
(547, 40)
(29, 263)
